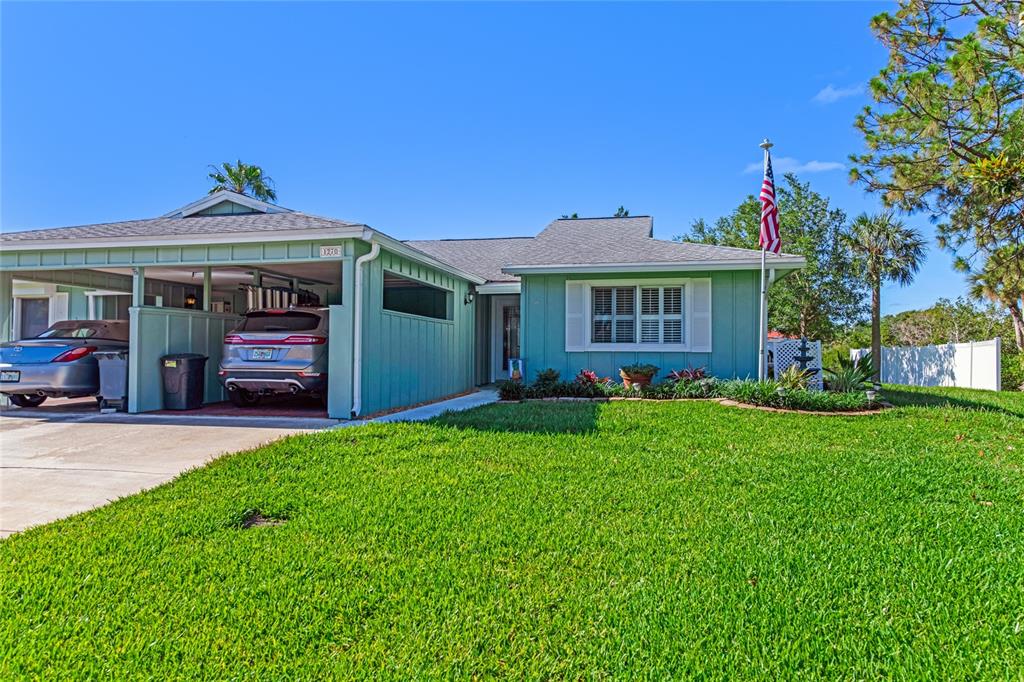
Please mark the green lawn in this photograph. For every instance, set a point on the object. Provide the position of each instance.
(624, 539)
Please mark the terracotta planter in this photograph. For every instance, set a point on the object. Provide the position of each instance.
(638, 380)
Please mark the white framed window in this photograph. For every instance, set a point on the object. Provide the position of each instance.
(671, 315)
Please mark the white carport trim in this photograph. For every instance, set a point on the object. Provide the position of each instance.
(499, 288)
(205, 239)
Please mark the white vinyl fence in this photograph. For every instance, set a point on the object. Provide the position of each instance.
(967, 365)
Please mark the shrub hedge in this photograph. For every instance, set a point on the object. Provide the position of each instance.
(760, 393)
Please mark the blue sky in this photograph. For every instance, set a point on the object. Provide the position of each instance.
(436, 120)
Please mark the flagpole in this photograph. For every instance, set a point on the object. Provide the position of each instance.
(762, 365)
(762, 320)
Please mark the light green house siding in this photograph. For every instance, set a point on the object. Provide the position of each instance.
(734, 299)
(409, 359)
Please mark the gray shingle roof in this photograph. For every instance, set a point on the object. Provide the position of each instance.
(167, 227)
(596, 241)
(483, 257)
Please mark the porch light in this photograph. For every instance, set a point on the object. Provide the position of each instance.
(469, 297)
(190, 301)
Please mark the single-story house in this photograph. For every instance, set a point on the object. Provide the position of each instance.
(410, 321)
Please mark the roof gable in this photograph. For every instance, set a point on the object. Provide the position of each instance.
(224, 202)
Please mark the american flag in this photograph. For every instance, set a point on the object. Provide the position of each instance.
(769, 240)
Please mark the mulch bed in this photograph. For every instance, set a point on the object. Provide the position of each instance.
(881, 405)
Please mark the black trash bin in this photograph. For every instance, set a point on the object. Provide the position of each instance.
(184, 380)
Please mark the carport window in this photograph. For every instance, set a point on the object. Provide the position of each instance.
(404, 295)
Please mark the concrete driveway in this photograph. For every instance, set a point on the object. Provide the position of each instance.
(60, 462)
(65, 457)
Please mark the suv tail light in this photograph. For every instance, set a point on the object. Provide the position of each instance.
(293, 340)
(74, 354)
(305, 339)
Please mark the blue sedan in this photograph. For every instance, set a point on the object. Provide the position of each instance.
(58, 363)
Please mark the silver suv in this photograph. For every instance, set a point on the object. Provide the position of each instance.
(276, 351)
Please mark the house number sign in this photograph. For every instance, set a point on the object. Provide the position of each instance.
(330, 252)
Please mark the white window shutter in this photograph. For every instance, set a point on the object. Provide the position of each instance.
(575, 318)
(58, 307)
(699, 293)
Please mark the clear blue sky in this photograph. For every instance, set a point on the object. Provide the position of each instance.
(436, 120)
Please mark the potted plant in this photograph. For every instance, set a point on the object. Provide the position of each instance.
(635, 376)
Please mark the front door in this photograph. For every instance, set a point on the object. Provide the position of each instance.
(35, 317)
(504, 334)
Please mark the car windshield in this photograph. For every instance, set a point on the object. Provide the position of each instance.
(84, 329)
(283, 321)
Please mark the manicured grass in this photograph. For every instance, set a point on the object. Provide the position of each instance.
(624, 539)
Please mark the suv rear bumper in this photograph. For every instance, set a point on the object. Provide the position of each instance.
(270, 381)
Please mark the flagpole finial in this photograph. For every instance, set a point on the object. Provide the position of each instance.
(766, 144)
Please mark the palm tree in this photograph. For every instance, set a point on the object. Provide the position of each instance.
(243, 179)
(885, 250)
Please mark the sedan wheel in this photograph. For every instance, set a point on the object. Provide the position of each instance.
(27, 400)
(244, 398)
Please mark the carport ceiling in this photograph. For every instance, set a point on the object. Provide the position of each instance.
(326, 272)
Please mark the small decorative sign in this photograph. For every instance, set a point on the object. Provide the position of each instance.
(515, 369)
(330, 252)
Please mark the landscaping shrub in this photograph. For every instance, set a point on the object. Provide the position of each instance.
(848, 375)
(767, 394)
(786, 394)
(689, 374)
(511, 390)
(794, 378)
(700, 388)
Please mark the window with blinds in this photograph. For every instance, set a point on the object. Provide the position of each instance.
(613, 314)
(661, 314)
(615, 320)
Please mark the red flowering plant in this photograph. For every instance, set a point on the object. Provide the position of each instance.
(689, 374)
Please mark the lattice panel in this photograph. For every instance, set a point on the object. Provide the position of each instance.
(786, 351)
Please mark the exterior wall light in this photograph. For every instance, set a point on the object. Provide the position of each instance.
(190, 301)
(469, 297)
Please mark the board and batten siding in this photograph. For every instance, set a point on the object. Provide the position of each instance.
(156, 332)
(733, 353)
(410, 359)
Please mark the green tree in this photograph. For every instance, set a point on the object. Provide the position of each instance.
(823, 297)
(1002, 281)
(886, 250)
(622, 212)
(946, 135)
(242, 178)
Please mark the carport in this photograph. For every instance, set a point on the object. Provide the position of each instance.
(185, 277)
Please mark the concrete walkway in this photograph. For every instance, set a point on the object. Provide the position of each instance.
(58, 462)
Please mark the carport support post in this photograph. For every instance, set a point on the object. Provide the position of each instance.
(6, 306)
(134, 334)
(6, 314)
(339, 371)
(207, 287)
(138, 287)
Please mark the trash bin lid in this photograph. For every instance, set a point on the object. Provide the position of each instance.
(184, 356)
(108, 354)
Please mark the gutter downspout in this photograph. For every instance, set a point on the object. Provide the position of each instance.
(357, 329)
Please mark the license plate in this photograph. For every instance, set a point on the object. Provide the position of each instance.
(261, 354)
(10, 375)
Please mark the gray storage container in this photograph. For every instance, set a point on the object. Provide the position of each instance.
(184, 377)
(113, 368)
